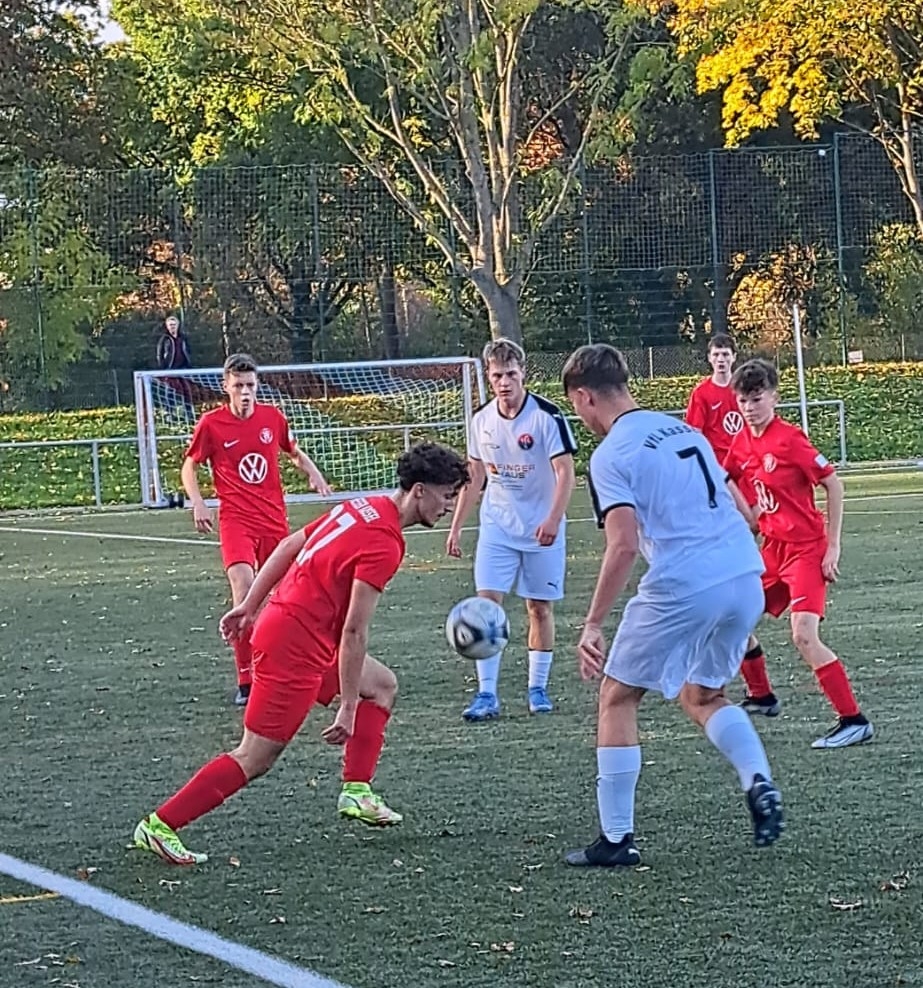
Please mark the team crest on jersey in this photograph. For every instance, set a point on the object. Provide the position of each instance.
(769, 462)
(733, 422)
(253, 468)
(266, 436)
(525, 441)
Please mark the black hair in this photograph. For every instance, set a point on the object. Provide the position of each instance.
(430, 463)
(755, 375)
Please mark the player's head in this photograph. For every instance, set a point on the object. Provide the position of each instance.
(756, 384)
(172, 325)
(240, 383)
(430, 477)
(505, 364)
(595, 380)
(722, 352)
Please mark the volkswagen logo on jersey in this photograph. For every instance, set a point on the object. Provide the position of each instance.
(765, 499)
(769, 462)
(253, 468)
(733, 422)
(265, 435)
(525, 441)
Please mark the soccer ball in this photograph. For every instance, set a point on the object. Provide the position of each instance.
(477, 628)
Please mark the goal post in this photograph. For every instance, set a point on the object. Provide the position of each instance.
(352, 418)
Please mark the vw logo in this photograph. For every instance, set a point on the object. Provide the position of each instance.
(733, 422)
(253, 468)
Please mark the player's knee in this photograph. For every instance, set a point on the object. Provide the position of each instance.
(379, 685)
(256, 761)
(540, 611)
(804, 636)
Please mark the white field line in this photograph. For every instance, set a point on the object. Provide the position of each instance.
(181, 540)
(270, 969)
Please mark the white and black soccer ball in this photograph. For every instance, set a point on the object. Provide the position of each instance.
(477, 628)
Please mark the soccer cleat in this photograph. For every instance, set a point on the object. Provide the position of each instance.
(242, 695)
(765, 804)
(539, 701)
(152, 834)
(848, 730)
(358, 802)
(769, 705)
(602, 853)
(485, 706)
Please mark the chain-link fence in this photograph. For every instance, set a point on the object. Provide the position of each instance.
(317, 262)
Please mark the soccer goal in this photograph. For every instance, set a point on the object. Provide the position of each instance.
(353, 419)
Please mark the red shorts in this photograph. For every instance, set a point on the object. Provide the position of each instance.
(281, 696)
(241, 546)
(794, 576)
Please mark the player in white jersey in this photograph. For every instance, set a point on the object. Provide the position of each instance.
(521, 454)
(658, 490)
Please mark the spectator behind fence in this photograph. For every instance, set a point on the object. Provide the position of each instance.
(173, 347)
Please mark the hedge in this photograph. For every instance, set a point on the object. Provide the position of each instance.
(884, 421)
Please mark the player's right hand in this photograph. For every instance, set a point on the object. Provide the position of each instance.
(591, 651)
(342, 727)
(202, 518)
(236, 624)
(453, 544)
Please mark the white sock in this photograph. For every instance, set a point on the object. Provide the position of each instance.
(619, 769)
(489, 673)
(732, 732)
(539, 667)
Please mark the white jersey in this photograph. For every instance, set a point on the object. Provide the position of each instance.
(517, 454)
(690, 531)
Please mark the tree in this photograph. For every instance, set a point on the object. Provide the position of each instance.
(858, 62)
(429, 99)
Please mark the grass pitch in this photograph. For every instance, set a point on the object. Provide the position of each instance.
(115, 688)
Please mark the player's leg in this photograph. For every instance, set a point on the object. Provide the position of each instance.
(541, 582)
(239, 553)
(760, 698)
(717, 627)
(278, 708)
(618, 764)
(495, 569)
(377, 695)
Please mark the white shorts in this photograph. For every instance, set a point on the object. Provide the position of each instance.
(662, 644)
(537, 574)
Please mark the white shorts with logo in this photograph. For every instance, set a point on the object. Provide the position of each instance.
(663, 644)
(536, 574)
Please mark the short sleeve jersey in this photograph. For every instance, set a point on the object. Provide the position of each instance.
(517, 454)
(713, 410)
(359, 539)
(244, 459)
(690, 531)
(783, 468)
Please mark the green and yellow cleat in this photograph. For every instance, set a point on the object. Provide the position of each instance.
(358, 802)
(153, 835)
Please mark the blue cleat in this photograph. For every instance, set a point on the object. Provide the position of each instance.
(485, 706)
(539, 701)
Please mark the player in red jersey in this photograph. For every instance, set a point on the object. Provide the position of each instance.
(241, 442)
(330, 576)
(712, 407)
(800, 551)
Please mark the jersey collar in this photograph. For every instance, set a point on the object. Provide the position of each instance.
(510, 418)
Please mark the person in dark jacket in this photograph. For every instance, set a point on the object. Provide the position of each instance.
(173, 347)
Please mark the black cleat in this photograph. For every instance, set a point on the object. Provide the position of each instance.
(765, 804)
(769, 705)
(602, 853)
(242, 695)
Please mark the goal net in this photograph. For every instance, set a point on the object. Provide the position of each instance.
(353, 419)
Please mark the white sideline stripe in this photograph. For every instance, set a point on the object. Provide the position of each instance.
(270, 969)
(180, 540)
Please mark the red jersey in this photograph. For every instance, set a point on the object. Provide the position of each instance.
(713, 410)
(357, 540)
(244, 459)
(783, 468)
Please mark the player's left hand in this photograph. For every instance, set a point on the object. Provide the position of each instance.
(317, 480)
(591, 651)
(340, 731)
(236, 624)
(547, 532)
(830, 566)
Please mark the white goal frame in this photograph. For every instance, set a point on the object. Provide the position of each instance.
(155, 492)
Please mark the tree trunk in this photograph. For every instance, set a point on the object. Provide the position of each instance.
(502, 302)
(388, 303)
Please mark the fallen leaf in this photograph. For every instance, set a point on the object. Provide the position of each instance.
(506, 946)
(85, 874)
(375, 909)
(444, 963)
(271, 892)
(398, 863)
(534, 867)
(515, 888)
(582, 914)
(234, 862)
(168, 884)
(685, 899)
(278, 919)
(896, 883)
(845, 905)
(643, 868)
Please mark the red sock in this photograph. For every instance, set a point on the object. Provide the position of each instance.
(243, 655)
(363, 749)
(833, 680)
(753, 670)
(207, 789)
